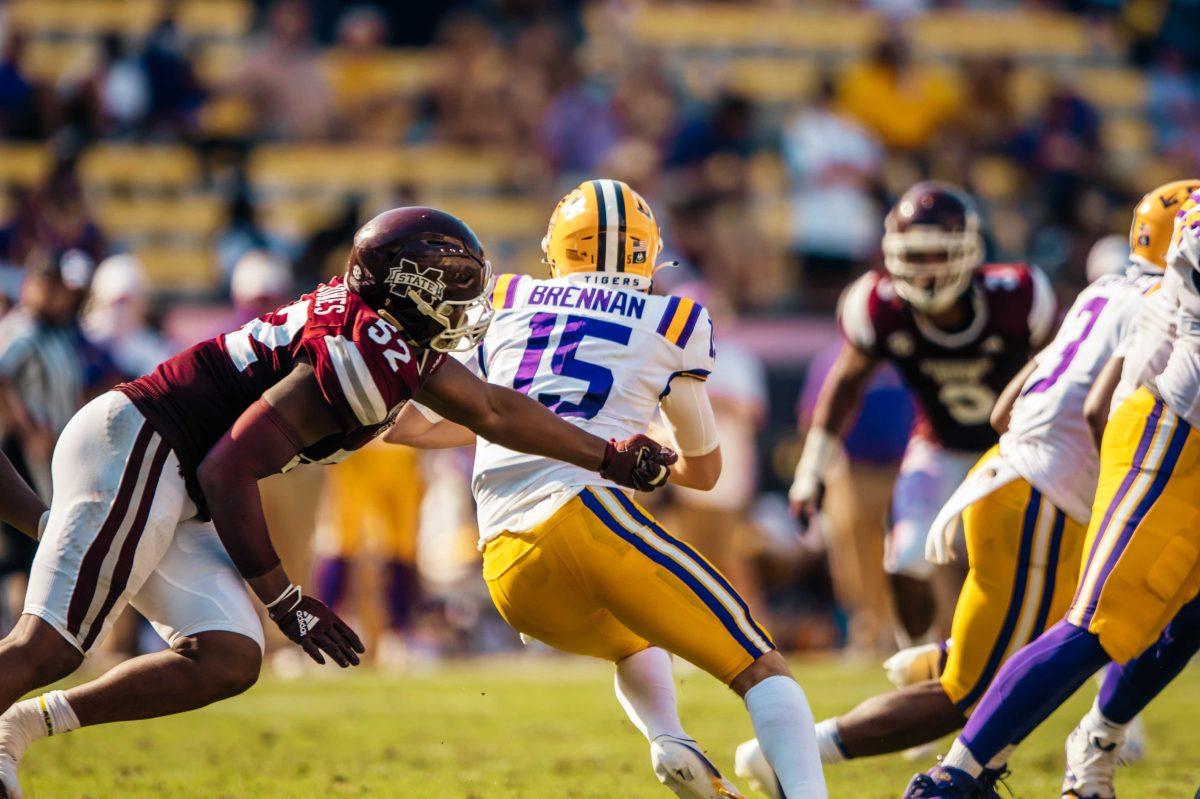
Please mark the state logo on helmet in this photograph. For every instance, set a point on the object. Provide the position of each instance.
(424, 272)
(606, 230)
(1154, 223)
(932, 245)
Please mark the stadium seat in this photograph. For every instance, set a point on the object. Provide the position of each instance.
(194, 217)
(23, 164)
(1019, 34)
(217, 18)
(1127, 137)
(434, 168)
(301, 167)
(1113, 88)
(295, 218)
(173, 167)
(217, 63)
(85, 17)
(712, 25)
(501, 218)
(181, 269)
(54, 60)
(390, 72)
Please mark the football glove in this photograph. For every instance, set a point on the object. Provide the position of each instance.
(310, 623)
(639, 462)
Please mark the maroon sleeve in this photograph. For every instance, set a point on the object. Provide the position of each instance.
(260, 443)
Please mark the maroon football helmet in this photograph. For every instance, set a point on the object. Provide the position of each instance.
(932, 245)
(425, 272)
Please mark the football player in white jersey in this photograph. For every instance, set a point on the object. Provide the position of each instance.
(573, 561)
(1024, 510)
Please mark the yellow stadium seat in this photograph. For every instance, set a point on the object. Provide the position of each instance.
(129, 17)
(774, 80)
(299, 167)
(1124, 137)
(1009, 33)
(298, 217)
(1113, 88)
(150, 166)
(444, 168)
(355, 76)
(196, 216)
(221, 18)
(500, 218)
(179, 268)
(23, 164)
(712, 25)
(55, 60)
(219, 62)
(227, 116)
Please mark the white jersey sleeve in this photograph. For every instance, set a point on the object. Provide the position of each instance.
(1048, 439)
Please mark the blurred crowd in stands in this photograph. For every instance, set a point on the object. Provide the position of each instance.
(770, 148)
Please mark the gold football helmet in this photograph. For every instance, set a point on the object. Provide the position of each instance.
(1154, 222)
(605, 228)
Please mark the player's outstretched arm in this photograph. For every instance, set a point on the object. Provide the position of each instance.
(837, 405)
(1098, 403)
(291, 415)
(19, 505)
(413, 428)
(1002, 410)
(689, 416)
(511, 419)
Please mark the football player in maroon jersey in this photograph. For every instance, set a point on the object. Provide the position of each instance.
(156, 500)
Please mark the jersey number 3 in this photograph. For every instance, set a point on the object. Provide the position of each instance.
(564, 363)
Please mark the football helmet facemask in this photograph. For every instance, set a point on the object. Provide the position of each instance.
(424, 272)
(932, 245)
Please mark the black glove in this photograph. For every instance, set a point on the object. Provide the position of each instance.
(638, 462)
(309, 622)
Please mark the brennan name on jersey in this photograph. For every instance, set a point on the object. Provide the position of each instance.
(956, 376)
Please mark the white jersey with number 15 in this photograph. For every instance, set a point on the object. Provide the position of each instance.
(598, 355)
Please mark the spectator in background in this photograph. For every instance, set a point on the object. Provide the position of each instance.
(355, 78)
(242, 233)
(175, 91)
(20, 111)
(282, 80)
(857, 499)
(580, 125)
(715, 521)
(117, 317)
(990, 119)
(1173, 97)
(1061, 152)
(54, 218)
(46, 371)
(833, 165)
(905, 104)
(727, 128)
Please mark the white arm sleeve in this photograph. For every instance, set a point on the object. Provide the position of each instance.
(689, 416)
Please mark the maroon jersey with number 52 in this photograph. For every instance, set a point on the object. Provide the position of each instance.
(365, 371)
(956, 376)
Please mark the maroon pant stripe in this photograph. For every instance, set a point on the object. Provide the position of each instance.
(124, 567)
(93, 559)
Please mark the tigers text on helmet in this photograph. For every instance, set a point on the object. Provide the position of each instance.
(1154, 220)
(932, 245)
(425, 272)
(606, 230)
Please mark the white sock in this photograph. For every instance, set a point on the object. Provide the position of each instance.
(829, 742)
(783, 723)
(57, 714)
(960, 757)
(1001, 759)
(645, 687)
(1095, 723)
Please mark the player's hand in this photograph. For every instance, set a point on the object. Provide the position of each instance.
(311, 624)
(638, 462)
(805, 502)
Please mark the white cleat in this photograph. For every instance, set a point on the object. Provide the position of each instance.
(1091, 763)
(751, 764)
(1134, 748)
(19, 726)
(681, 766)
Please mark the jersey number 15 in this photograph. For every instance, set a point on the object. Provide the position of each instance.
(588, 401)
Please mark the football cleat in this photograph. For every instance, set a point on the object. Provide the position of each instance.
(751, 764)
(682, 767)
(1091, 763)
(944, 782)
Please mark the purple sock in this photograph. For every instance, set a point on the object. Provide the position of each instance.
(402, 585)
(1030, 686)
(1128, 688)
(332, 577)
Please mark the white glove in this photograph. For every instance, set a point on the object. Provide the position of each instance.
(939, 544)
(913, 665)
(822, 451)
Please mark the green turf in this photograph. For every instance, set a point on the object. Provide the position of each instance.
(516, 728)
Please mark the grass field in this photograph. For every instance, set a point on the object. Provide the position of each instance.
(514, 728)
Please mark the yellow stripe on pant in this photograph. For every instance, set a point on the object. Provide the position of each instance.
(601, 577)
(1024, 557)
(1143, 545)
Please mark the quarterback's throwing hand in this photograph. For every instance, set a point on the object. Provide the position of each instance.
(311, 624)
(638, 462)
